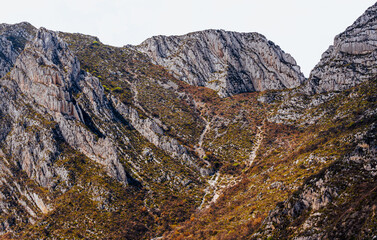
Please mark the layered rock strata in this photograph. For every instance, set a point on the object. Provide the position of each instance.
(351, 59)
(228, 62)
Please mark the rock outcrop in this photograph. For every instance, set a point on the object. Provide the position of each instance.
(351, 59)
(155, 134)
(48, 75)
(8, 55)
(228, 62)
(47, 72)
(59, 132)
(12, 41)
(93, 137)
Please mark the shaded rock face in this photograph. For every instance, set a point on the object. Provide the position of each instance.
(12, 41)
(55, 117)
(48, 75)
(228, 62)
(8, 55)
(43, 100)
(47, 72)
(352, 58)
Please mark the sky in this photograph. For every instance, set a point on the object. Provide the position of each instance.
(303, 28)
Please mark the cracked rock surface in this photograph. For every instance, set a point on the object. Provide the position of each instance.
(228, 62)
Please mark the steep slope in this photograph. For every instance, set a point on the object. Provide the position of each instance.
(146, 96)
(340, 201)
(70, 158)
(322, 130)
(313, 174)
(98, 142)
(12, 42)
(48, 73)
(351, 59)
(227, 62)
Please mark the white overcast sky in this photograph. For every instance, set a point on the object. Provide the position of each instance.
(303, 28)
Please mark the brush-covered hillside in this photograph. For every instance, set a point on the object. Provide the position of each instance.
(209, 135)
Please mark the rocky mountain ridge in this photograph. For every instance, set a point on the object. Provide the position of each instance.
(60, 112)
(227, 62)
(95, 137)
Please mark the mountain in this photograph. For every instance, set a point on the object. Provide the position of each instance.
(13, 40)
(227, 62)
(314, 174)
(339, 202)
(210, 135)
(68, 146)
(351, 59)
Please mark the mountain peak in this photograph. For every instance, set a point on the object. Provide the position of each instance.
(93, 137)
(228, 62)
(351, 59)
(4, 27)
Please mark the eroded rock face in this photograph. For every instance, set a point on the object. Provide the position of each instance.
(12, 41)
(352, 58)
(47, 73)
(228, 62)
(50, 112)
(8, 55)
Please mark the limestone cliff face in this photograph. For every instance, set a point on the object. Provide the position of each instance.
(44, 100)
(93, 137)
(351, 59)
(46, 71)
(228, 62)
(47, 75)
(12, 41)
(337, 202)
(8, 55)
(54, 117)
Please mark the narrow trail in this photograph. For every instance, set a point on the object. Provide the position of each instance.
(206, 129)
(211, 188)
(199, 149)
(217, 185)
(259, 139)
